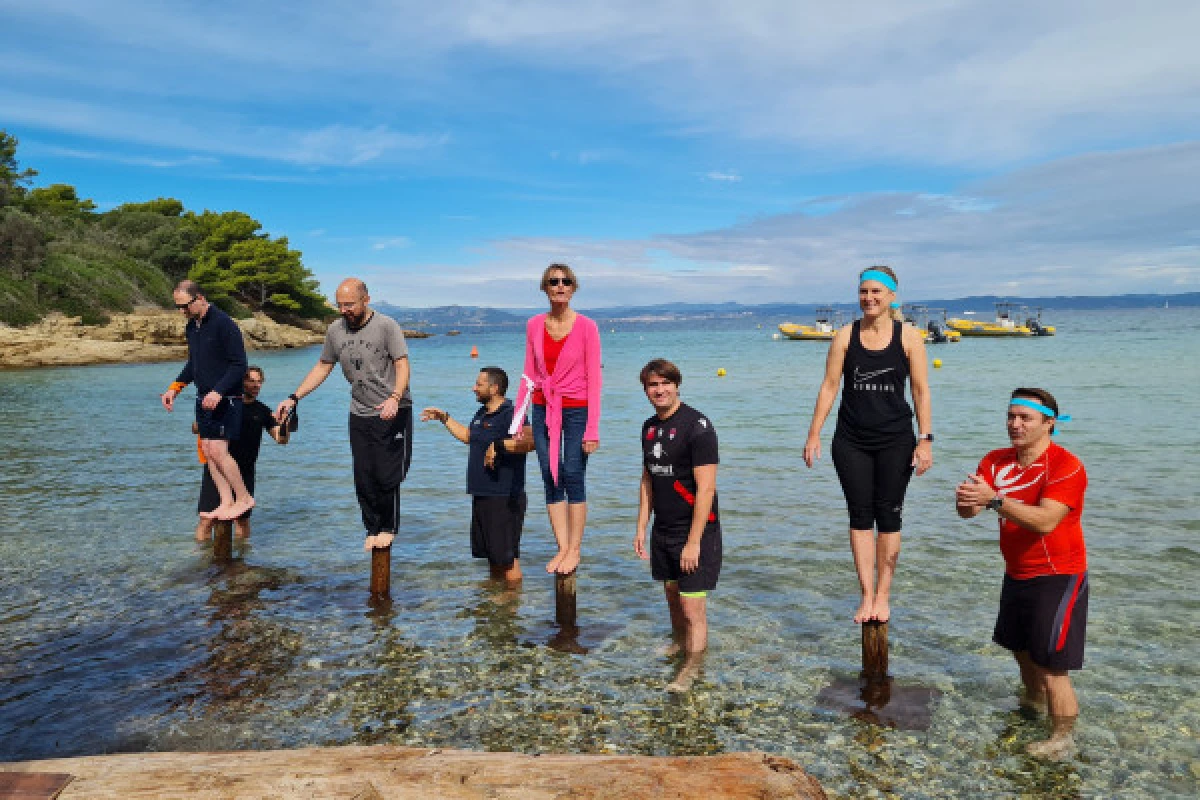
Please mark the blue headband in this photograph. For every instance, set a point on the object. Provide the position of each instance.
(876, 275)
(1036, 406)
(895, 305)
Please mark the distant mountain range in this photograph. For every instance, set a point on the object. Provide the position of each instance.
(439, 319)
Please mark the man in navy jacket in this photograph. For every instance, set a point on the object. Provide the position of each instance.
(216, 364)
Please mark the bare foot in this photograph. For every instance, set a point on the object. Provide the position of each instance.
(237, 509)
(864, 610)
(220, 512)
(384, 539)
(685, 677)
(880, 610)
(1056, 748)
(552, 566)
(671, 650)
(369, 543)
(569, 562)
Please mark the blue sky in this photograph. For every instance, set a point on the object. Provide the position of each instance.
(671, 151)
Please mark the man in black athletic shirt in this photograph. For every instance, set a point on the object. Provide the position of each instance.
(256, 418)
(679, 484)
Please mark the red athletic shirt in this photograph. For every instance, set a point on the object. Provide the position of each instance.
(553, 349)
(1057, 475)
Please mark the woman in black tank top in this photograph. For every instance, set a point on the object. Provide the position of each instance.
(874, 449)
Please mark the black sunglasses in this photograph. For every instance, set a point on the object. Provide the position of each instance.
(182, 306)
(557, 281)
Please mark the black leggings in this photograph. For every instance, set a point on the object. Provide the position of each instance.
(874, 482)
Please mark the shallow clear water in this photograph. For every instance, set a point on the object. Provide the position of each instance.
(118, 634)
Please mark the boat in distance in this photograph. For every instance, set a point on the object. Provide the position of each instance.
(1005, 324)
(826, 321)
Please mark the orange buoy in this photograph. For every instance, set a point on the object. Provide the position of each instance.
(474, 352)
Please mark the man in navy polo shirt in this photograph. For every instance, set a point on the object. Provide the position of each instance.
(216, 364)
(495, 474)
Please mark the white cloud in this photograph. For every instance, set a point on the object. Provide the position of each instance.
(728, 176)
(390, 243)
(1098, 224)
(929, 81)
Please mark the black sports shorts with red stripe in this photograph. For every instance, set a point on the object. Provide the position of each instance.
(1045, 616)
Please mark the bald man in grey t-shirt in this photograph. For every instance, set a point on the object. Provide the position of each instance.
(374, 358)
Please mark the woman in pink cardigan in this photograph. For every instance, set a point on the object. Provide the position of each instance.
(562, 379)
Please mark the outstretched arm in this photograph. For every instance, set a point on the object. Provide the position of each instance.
(456, 428)
(315, 377)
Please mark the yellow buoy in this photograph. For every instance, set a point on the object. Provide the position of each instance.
(474, 352)
(937, 363)
(721, 372)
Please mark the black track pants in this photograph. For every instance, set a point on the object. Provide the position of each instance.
(382, 451)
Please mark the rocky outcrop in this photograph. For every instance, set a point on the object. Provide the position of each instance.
(357, 773)
(144, 335)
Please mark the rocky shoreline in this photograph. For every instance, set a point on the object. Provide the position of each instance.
(147, 334)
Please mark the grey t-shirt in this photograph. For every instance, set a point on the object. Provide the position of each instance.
(368, 358)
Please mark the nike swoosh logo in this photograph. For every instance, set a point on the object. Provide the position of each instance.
(860, 376)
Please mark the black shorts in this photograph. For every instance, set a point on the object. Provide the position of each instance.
(210, 499)
(223, 422)
(1046, 617)
(496, 524)
(665, 550)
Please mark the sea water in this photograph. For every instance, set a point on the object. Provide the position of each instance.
(118, 633)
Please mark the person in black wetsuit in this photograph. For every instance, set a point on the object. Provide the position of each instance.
(679, 485)
(874, 450)
(256, 418)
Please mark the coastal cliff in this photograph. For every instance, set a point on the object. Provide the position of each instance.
(147, 334)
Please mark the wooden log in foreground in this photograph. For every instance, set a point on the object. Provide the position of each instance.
(362, 773)
(223, 541)
(564, 599)
(381, 573)
(875, 651)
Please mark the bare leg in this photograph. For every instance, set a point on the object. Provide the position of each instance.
(217, 451)
(510, 574)
(1034, 695)
(887, 553)
(224, 492)
(1064, 708)
(862, 546)
(695, 642)
(204, 528)
(678, 620)
(576, 521)
(560, 525)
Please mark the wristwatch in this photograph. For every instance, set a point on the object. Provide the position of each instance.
(995, 503)
(926, 436)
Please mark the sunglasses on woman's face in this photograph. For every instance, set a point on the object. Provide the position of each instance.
(557, 281)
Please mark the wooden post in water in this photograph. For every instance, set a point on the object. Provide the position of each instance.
(564, 599)
(223, 541)
(381, 573)
(875, 651)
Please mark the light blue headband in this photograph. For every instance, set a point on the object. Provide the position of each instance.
(876, 275)
(1036, 406)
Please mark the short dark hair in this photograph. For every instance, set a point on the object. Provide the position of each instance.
(662, 368)
(259, 370)
(1040, 395)
(191, 287)
(496, 377)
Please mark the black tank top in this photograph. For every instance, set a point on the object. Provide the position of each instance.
(874, 411)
